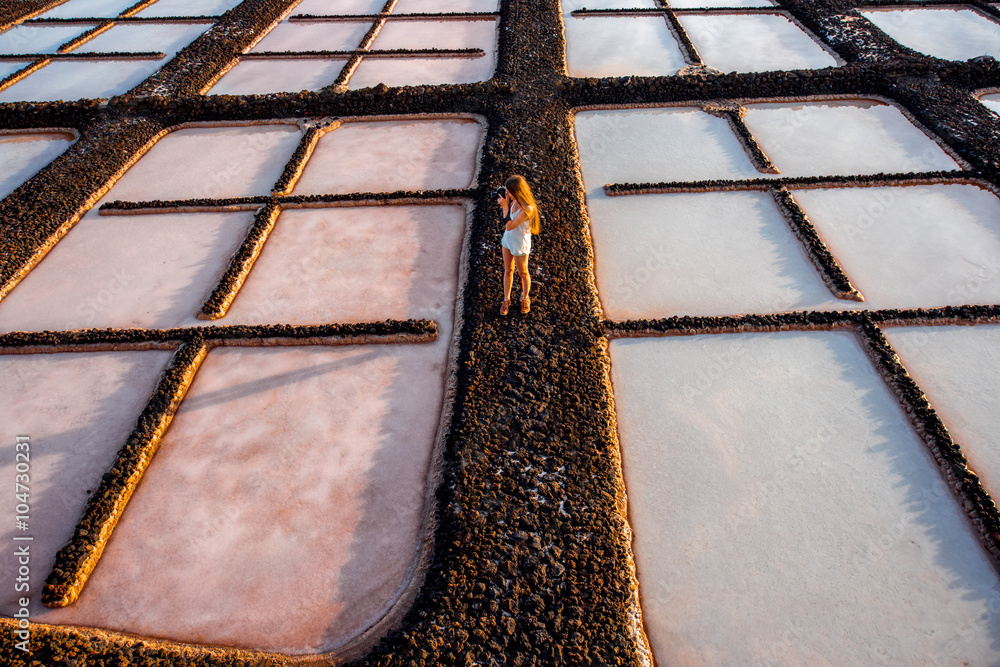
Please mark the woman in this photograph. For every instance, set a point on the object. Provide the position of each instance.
(520, 215)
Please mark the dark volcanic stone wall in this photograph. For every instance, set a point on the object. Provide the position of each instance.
(531, 561)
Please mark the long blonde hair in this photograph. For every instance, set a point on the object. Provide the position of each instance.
(518, 188)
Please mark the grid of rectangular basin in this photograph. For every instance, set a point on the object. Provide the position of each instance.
(49, 49)
(362, 44)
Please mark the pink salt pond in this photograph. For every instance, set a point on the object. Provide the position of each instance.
(77, 409)
(385, 156)
(284, 508)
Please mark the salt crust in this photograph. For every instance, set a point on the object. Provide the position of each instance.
(718, 253)
(38, 38)
(73, 80)
(385, 156)
(421, 71)
(78, 409)
(843, 137)
(259, 77)
(333, 36)
(952, 34)
(357, 264)
(325, 7)
(300, 523)
(760, 43)
(657, 144)
(436, 6)
(959, 368)
(8, 68)
(150, 271)
(829, 537)
(886, 238)
(188, 8)
(136, 37)
(23, 154)
(620, 46)
(218, 161)
(88, 9)
(437, 35)
(992, 101)
(688, 4)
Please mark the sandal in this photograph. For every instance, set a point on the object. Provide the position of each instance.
(525, 304)
(504, 306)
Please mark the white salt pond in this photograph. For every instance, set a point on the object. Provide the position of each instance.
(843, 137)
(692, 4)
(421, 71)
(326, 8)
(73, 80)
(356, 264)
(137, 37)
(437, 35)
(23, 155)
(219, 161)
(259, 77)
(992, 102)
(785, 512)
(304, 472)
(78, 409)
(148, 271)
(958, 368)
(754, 43)
(655, 145)
(620, 46)
(38, 38)
(188, 8)
(7, 68)
(952, 34)
(912, 247)
(335, 36)
(719, 253)
(88, 9)
(435, 6)
(385, 156)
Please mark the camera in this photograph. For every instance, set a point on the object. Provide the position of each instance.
(500, 193)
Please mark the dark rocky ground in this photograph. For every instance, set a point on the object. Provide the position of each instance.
(531, 559)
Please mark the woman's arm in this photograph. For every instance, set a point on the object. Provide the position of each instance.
(504, 205)
(518, 219)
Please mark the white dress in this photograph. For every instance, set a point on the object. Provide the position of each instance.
(517, 240)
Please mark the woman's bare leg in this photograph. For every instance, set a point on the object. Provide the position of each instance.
(521, 262)
(508, 273)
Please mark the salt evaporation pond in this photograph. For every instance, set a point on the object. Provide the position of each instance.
(88, 9)
(600, 46)
(840, 137)
(886, 238)
(78, 409)
(777, 490)
(80, 79)
(144, 271)
(356, 264)
(278, 75)
(22, 155)
(188, 8)
(952, 34)
(92, 79)
(299, 527)
(959, 368)
(355, 471)
(731, 253)
(756, 43)
(992, 101)
(719, 253)
(394, 155)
